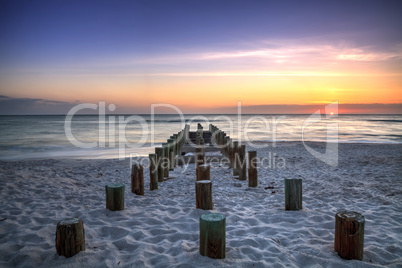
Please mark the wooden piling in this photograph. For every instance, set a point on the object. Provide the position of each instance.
(236, 159)
(213, 235)
(204, 172)
(171, 154)
(349, 234)
(199, 157)
(137, 179)
(186, 133)
(159, 159)
(225, 147)
(203, 194)
(293, 194)
(115, 196)
(153, 172)
(252, 169)
(165, 160)
(70, 237)
(176, 148)
(180, 139)
(243, 165)
(230, 153)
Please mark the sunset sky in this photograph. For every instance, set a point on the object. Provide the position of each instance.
(202, 56)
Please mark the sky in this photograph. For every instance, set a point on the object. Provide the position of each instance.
(201, 56)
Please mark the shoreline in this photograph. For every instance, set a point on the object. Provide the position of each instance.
(269, 143)
(161, 227)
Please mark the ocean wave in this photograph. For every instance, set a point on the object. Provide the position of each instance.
(385, 120)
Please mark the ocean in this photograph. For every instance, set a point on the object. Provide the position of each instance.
(91, 136)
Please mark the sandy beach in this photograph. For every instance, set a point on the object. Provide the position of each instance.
(161, 228)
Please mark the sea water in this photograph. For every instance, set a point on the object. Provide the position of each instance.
(113, 136)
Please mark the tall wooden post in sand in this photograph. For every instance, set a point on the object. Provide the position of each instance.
(70, 237)
(236, 159)
(225, 147)
(165, 161)
(221, 139)
(115, 196)
(186, 133)
(159, 160)
(230, 153)
(204, 172)
(171, 154)
(293, 194)
(349, 234)
(199, 158)
(242, 161)
(213, 235)
(252, 169)
(175, 148)
(203, 195)
(137, 179)
(153, 172)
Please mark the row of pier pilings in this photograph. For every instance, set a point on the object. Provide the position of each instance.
(160, 162)
(235, 153)
(70, 234)
(349, 225)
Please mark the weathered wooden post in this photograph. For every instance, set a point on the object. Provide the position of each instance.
(293, 194)
(165, 161)
(180, 139)
(159, 160)
(236, 159)
(243, 164)
(214, 137)
(115, 196)
(230, 153)
(200, 132)
(199, 157)
(252, 169)
(153, 172)
(175, 146)
(203, 195)
(171, 154)
(217, 135)
(70, 237)
(202, 143)
(225, 148)
(221, 138)
(137, 179)
(186, 132)
(204, 172)
(349, 234)
(213, 235)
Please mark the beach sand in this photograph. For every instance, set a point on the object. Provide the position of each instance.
(161, 228)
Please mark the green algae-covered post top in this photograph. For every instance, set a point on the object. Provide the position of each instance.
(115, 196)
(213, 235)
(213, 217)
(115, 185)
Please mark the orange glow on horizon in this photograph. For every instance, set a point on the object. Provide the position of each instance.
(209, 93)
